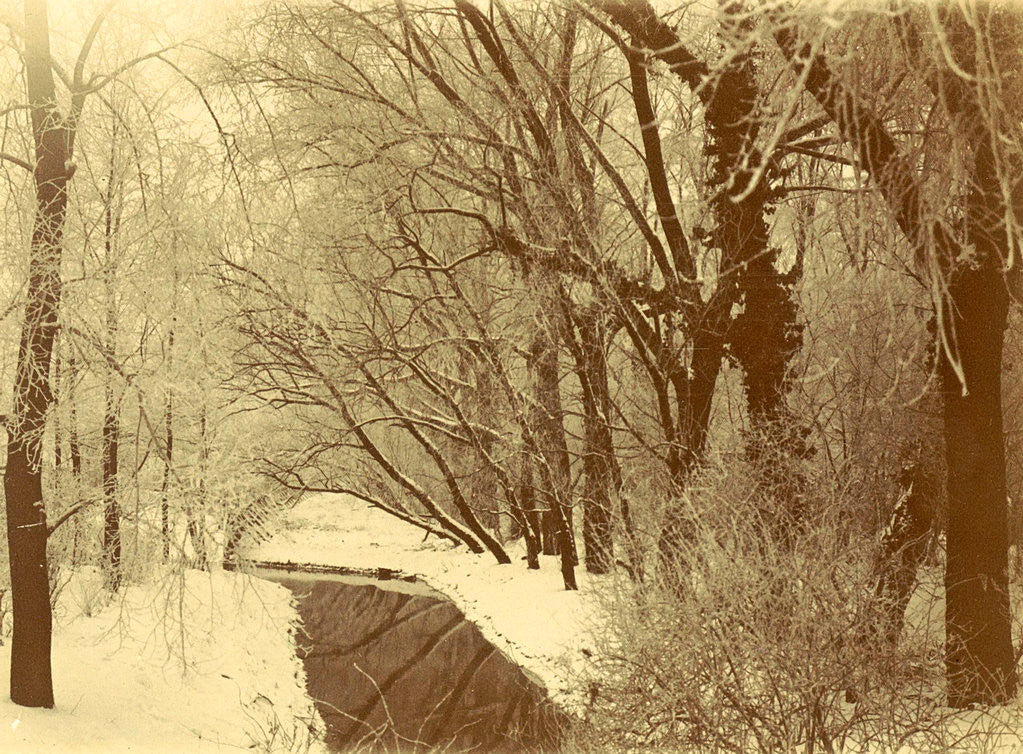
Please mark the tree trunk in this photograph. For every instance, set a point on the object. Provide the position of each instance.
(75, 451)
(525, 494)
(552, 458)
(112, 412)
(903, 549)
(979, 655)
(694, 420)
(598, 453)
(168, 421)
(111, 509)
(978, 621)
(195, 532)
(31, 675)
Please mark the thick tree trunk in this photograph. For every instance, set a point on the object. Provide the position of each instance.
(763, 339)
(979, 657)
(31, 675)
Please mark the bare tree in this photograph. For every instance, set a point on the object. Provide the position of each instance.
(54, 126)
(112, 210)
(965, 265)
(31, 679)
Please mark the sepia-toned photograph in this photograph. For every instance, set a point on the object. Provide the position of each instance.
(541, 376)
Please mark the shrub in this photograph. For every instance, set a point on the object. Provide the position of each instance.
(771, 643)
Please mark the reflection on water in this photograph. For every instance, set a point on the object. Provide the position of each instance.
(399, 670)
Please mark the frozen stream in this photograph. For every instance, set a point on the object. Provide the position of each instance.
(392, 666)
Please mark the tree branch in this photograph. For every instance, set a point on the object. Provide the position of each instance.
(16, 161)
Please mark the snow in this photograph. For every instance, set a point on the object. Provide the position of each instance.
(190, 661)
(995, 729)
(527, 615)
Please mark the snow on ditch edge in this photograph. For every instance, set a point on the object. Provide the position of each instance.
(527, 615)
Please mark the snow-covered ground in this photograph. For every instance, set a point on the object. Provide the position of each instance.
(190, 662)
(527, 615)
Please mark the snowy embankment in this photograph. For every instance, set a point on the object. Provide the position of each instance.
(527, 615)
(196, 662)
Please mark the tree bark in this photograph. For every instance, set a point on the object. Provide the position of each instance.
(525, 494)
(168, 421)
(195, 532)
(31, 674)
(979, 657)
(552, 450)
(111, 508)
(598, 453)
(112, 411)
(694, 423)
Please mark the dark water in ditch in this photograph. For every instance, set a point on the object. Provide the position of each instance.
(396, 668)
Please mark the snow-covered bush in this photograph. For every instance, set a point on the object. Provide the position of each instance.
(764, 643)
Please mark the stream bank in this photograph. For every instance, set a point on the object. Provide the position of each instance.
(393, 665)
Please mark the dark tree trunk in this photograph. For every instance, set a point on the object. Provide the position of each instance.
(978, 621)
(979, 654)
(763, 340)
(598, 453)
(31, 675)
